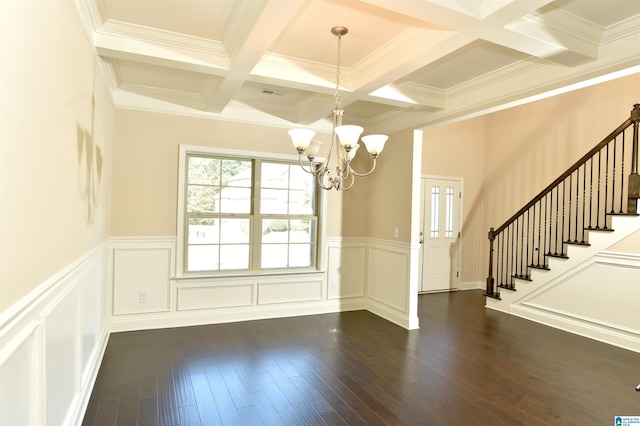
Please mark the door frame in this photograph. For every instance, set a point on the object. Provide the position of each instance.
(423, 201)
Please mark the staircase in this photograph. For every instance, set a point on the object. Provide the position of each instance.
(587, 209)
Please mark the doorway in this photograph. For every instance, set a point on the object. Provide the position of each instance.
(441, 219)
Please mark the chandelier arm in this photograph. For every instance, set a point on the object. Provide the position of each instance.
(373, 167)
(311, 171)
(353, 180)
(321, 176)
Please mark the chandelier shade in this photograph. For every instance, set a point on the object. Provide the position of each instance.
(348, 135)
(375, 143)
(344, 143)
(301, 138)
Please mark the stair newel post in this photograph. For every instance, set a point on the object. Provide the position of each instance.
(634, 178)
(490, 281)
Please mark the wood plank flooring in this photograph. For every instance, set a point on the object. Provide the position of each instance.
(465, 366)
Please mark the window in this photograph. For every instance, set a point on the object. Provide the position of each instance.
(246, 214)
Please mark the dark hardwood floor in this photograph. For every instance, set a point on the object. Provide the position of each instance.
(465, 366)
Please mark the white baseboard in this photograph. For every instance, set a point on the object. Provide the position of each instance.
(611, 334)
(226, 315)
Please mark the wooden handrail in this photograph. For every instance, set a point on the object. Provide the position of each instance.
(569, 171)
(514, 248)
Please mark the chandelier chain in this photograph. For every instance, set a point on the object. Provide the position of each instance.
(337, 94)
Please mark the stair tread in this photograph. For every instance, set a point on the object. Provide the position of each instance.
(599, 229)
(541, 267)
(522, 277)
(506, 287)
(557, 256)
(577, 243)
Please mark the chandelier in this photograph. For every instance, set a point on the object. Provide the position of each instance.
(344, 143)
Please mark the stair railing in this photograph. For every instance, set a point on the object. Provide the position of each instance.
(580, 200)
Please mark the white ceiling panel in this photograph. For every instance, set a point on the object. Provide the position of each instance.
(408, 63)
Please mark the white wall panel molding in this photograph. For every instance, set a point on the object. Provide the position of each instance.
(612, 335)
(205, 296)
(388, 278)
(288, 291)
(598, 299)
(142, 279)
(346, 267)
(20, 369)
(147, 265)
(356, 273)
(51, 344)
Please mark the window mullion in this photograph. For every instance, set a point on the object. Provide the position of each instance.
(256, 231)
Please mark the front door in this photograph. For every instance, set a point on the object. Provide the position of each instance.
(442, 198)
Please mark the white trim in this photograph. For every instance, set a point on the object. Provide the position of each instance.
(624, 258)
(24, 306)
(197, 149)
(28, 320)
(607, 333)
(185, 150)
(227, 315)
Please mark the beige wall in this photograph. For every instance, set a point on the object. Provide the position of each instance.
(145, 172)
(458, 150)
(508, 157)
(55, 158)
(390, 200)
(529, 146)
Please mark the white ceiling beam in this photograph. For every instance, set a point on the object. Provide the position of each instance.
(142, 44)
(247, 49)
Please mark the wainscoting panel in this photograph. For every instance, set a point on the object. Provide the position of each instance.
(61, 356)
(19, 393)
(141, 276)
(51, 345)
(94, 313)
(599, 299)
(387, 281)
(288, 290)
(146, 266)
(204, 296)
(346, 266)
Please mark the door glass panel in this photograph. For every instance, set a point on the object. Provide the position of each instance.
(435, 212)
(449, 213)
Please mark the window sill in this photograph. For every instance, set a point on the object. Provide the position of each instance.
(285, 273)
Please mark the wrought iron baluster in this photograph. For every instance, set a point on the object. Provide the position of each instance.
(555, 247)
(606, 186)
(501, 254)
(512, 268)
(622, 173)
(518, 247)
(539, 245)
(546, 208)
(591, 194)
(570, 200)
(584, 200)
(526, 259)
(613, 177)
(598, 202)
(575, 239)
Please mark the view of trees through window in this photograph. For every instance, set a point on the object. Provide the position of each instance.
(248, 214)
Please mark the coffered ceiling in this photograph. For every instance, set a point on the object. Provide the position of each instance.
(404, 63)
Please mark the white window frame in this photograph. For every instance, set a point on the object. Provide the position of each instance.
(181, 272)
